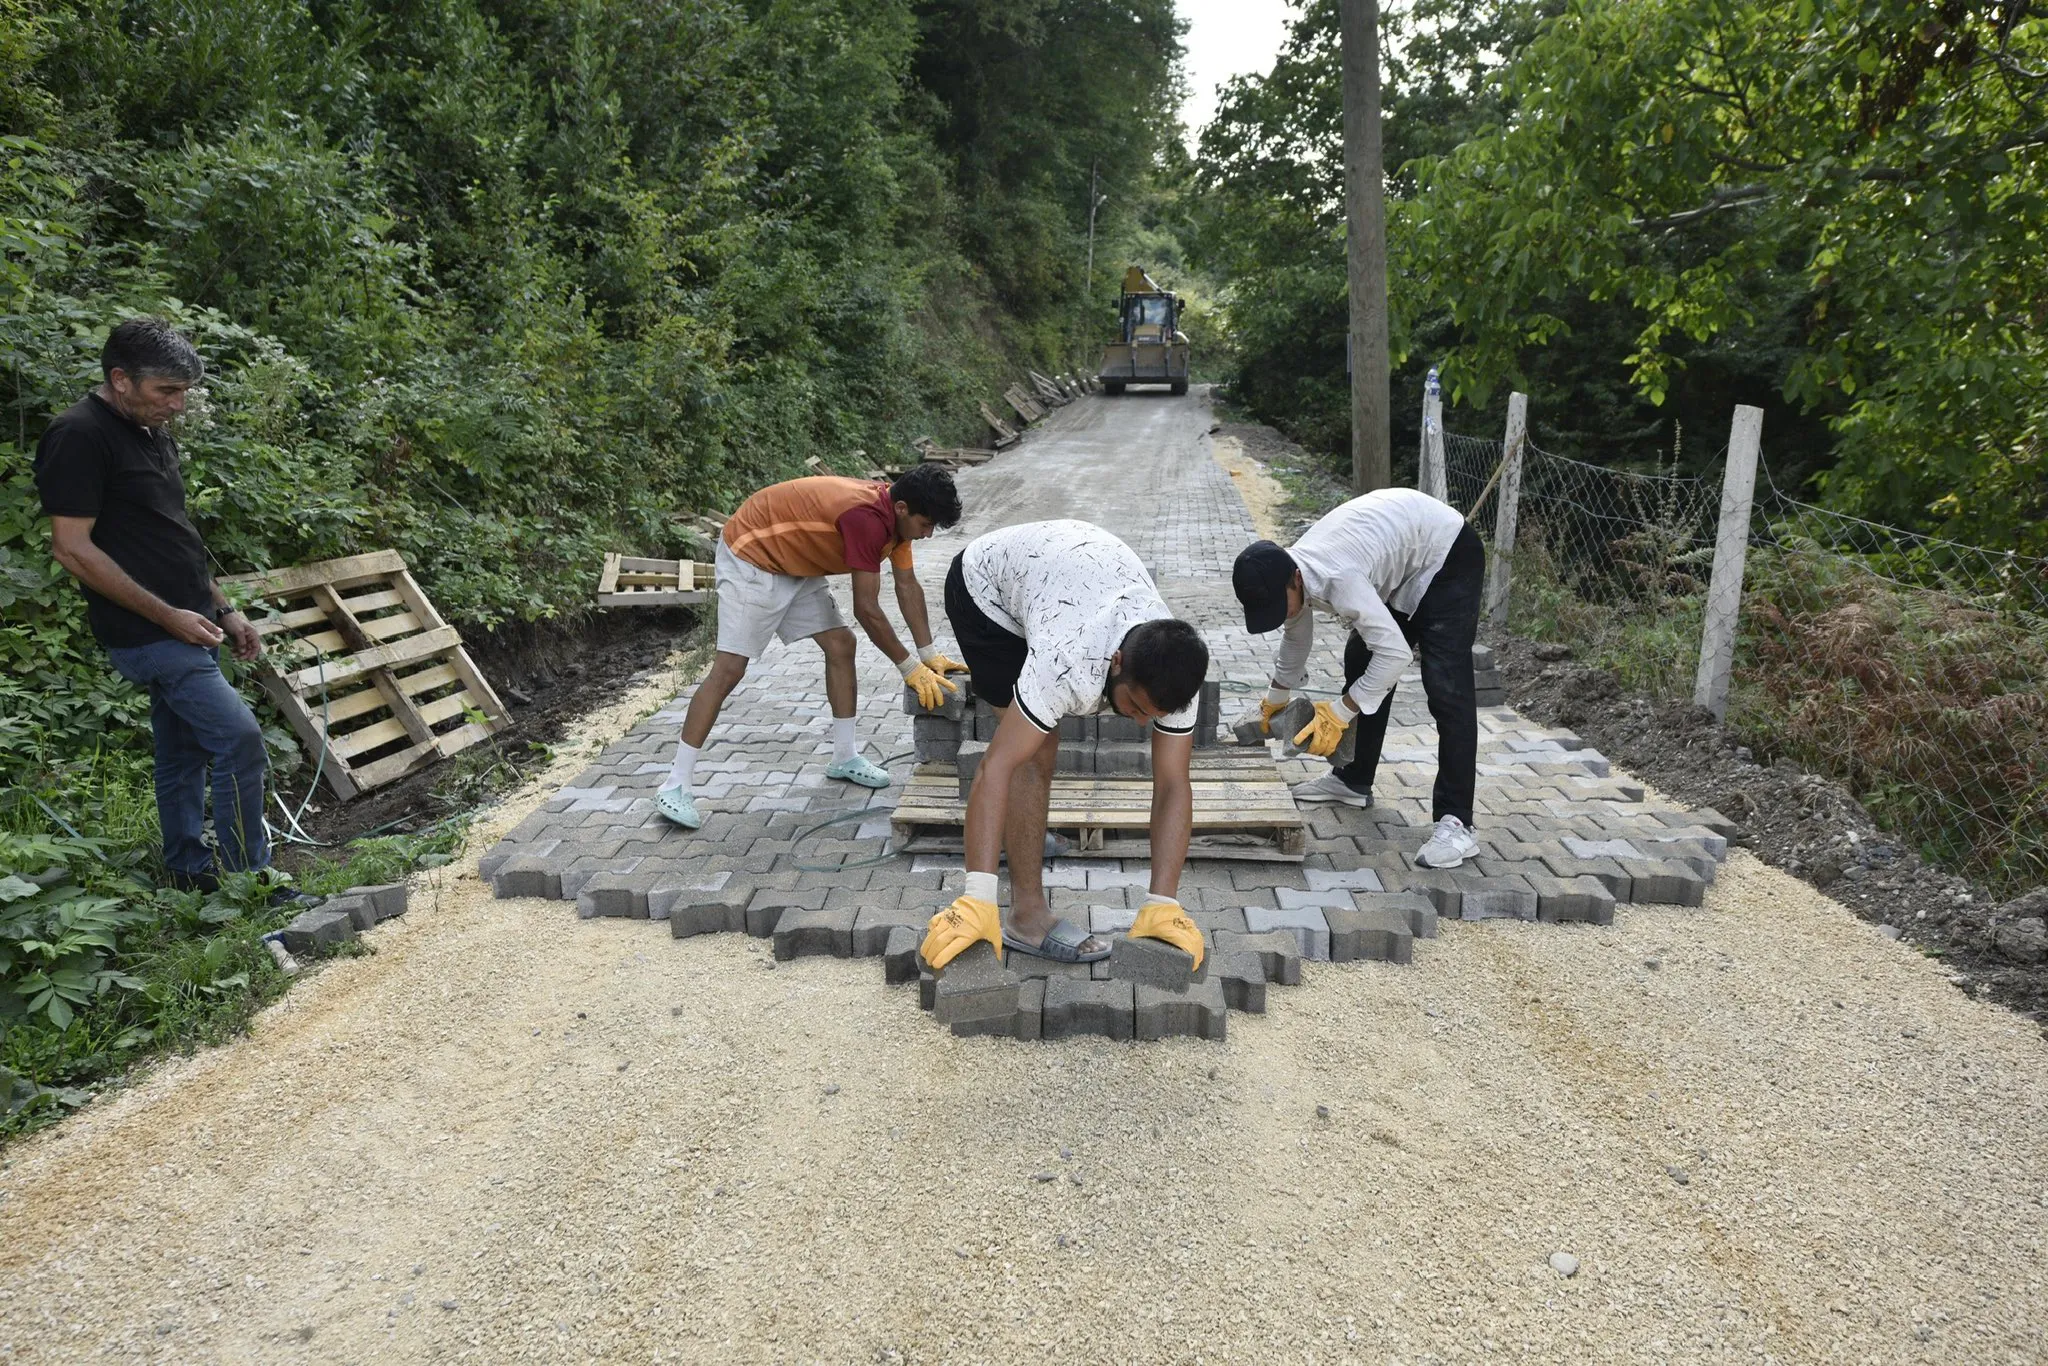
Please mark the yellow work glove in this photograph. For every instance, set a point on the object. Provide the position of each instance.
(1168, 921)
(927, 685)
(941, 665)
(1269, 709)
(1322, 734)
(957, 928)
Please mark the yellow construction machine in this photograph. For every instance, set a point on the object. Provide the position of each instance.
(1152, 349)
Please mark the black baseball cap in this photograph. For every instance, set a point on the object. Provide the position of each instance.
(1260, 579)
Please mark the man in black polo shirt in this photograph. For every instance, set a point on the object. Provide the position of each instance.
(107, 469)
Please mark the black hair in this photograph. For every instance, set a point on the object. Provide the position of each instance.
(150, 348)
(927, 490)
(1168, 660)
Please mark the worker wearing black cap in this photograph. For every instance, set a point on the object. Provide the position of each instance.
(1399, 569)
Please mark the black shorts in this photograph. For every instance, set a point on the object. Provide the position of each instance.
(993, 656)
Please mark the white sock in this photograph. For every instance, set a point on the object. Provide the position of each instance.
(684, 768)
(844, 746)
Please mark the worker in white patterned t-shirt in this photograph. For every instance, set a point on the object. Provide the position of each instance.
(1058, 619)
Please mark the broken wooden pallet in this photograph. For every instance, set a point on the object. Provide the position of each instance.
(1026, 407)
(1004, 436)
(370, 677)
(1050, 390)
(952, 457)
(1243, 810)
(636, 581)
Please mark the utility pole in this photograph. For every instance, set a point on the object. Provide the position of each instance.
(1094, 203)
(1365, 248)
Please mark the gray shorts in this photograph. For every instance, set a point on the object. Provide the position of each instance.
(755, 605)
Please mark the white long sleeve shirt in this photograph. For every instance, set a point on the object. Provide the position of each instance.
(1364, 561)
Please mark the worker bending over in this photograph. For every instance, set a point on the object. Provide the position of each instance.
(773, 559)
(1398, 568)
(1060, 619)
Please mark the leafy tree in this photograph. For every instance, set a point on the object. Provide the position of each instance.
(1704, 163)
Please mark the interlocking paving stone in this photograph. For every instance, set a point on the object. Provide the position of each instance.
(526, 875)
(1076, 1008)
(1200, 1012)
(874, 925)
(1663, 882)
(899, 956)
(388, 897)
(1356, 880)
(1381, 935)
(1418, 911)
(1111, 919)
(707, 917)
(1310, 929)
(1497, 898)
(800, 931)
(614, 894)
(361, 912)
(1582, 899)
(974, 986)
(1279, 951)
(319, 928)
(1229, 918)
(1243, 976)
(1154, 963)
(1026, 1022)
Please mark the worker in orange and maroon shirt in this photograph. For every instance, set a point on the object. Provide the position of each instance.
(773, 559)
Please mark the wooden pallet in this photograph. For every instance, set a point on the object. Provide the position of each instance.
(952, 457)
(1050, 390)
(1004, 436)
(1026, 407)
(635, 581)
(1243, 810)
(365, 669)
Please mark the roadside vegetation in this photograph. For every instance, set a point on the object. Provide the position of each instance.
(503, 287)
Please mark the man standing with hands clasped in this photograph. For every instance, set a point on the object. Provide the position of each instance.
(107, 470)
(1398, 568)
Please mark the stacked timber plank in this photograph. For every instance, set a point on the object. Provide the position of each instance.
(371, 678)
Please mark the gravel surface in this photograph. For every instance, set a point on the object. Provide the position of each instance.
(1758, 1132)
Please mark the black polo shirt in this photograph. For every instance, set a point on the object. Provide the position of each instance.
(93, 462)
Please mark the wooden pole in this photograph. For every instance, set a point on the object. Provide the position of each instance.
(1731, 555)
(1366, 248)
(1430, 475)
(1500, 566)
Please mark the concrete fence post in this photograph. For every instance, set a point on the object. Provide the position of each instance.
(1430, 475)
(1731, 554)
(1499, 567)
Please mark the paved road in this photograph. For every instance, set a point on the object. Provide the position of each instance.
(1765, 1133)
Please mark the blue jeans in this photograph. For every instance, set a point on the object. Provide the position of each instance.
(201, 721)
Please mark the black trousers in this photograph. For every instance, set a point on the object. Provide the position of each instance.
(1441, 631)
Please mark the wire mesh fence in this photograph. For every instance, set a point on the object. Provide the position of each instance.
(1913, 669)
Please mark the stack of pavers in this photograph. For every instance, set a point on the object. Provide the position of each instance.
(1105, 746)
(341, 917)
(1486, 684)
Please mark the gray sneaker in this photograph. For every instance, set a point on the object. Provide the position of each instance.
(1450, 846)
(1331, 788)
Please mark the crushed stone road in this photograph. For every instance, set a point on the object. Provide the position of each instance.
(1762, 1131)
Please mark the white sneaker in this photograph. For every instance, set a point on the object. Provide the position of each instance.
(1450, 846)
(1331, 788)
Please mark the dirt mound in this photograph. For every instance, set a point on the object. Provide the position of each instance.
(1806, 824)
